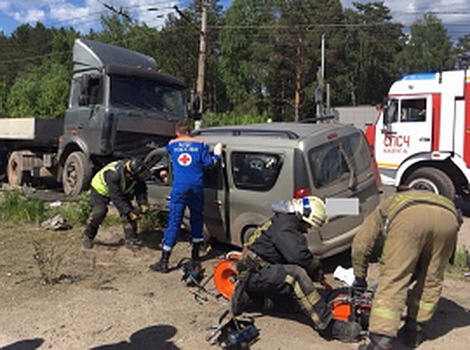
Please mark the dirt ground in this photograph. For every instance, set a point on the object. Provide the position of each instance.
(109, 299)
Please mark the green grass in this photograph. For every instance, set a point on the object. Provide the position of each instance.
(75, 212)
(15, 208)
(461, 260)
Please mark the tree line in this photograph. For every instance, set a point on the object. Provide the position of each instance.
(263, 57)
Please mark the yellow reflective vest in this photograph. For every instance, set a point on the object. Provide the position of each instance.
(99, 182)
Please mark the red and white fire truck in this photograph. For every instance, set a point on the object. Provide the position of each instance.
(421, 138)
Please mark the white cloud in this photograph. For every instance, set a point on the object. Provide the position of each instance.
(85, 14)
(30, 16)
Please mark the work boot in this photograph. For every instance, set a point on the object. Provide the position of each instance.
(195, 251)
(162, 264)
(378, 342)
(412, 333)
(132, 244)
(347, 332)
(87, 242)
(239, 300)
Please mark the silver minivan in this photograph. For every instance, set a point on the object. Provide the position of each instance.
(264, 163)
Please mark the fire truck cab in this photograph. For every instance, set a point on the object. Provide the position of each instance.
(421, 138)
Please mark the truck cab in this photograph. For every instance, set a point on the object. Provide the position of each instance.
(120, 106)
(421, 138)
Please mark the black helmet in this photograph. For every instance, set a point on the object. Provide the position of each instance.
(137, 168)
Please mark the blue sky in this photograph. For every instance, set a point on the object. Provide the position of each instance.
(84, 14)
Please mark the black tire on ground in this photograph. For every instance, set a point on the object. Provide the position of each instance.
(432, 179)
(15, 170)
(76, 174)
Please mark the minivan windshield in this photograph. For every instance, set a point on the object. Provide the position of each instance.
(340, 160)
(147, 95)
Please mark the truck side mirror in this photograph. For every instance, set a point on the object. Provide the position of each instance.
(84, 98)
(390, 111)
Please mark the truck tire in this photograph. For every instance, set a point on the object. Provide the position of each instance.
(432, 179)
(76, 174)
(15, 170)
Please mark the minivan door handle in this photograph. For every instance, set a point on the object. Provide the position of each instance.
(218, 202)
(424, 139)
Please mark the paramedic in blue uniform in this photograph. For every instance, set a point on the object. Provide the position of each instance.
(189, 155)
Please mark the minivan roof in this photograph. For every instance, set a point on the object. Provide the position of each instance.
(284, 130)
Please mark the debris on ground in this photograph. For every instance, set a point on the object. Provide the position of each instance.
(56, 223)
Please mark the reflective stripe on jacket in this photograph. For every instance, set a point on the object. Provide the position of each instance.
(99, 182)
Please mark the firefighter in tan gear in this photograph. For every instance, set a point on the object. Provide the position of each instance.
(277, 262)
(417, 232)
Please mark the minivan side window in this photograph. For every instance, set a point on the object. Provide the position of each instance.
(339, 160)
(255, 171)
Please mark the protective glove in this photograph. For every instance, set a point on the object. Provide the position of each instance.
(218, 149)
(315, 271)
(359, 285)
(144, 209)
(133, 215)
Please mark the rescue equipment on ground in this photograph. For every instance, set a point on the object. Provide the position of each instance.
(193, 279)
(225, 274)
(233, 332)
(346, 304)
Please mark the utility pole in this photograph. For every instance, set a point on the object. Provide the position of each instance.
(201, 64)
(320, 91)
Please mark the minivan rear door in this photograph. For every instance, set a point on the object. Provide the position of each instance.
(342, 168)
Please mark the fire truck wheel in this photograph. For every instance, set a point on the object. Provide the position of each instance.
(76, 174)
(432, 179)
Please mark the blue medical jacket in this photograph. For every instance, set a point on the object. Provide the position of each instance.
(189, 157)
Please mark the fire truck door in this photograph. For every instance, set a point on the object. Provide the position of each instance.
(408, 132)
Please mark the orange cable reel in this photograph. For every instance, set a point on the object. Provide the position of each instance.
(225, 274)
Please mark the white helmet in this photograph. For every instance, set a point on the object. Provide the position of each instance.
(312, 210)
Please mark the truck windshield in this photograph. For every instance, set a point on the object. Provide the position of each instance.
(147, 95)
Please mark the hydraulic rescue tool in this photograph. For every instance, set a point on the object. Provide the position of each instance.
(233, 332)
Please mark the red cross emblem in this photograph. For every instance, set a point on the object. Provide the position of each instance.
(184, 159)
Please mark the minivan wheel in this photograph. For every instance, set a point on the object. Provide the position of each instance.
(434, 180)
(247, 233)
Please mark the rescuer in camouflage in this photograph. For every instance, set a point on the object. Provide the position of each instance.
(418, 231)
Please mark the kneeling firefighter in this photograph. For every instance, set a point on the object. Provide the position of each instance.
(119, 182)
(277, 262)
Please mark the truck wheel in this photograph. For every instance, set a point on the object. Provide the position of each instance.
(15, 170)
(432, 179)
(76, 174)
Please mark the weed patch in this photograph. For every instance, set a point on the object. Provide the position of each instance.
(461, 262)
(15, 208)
(48, 261)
